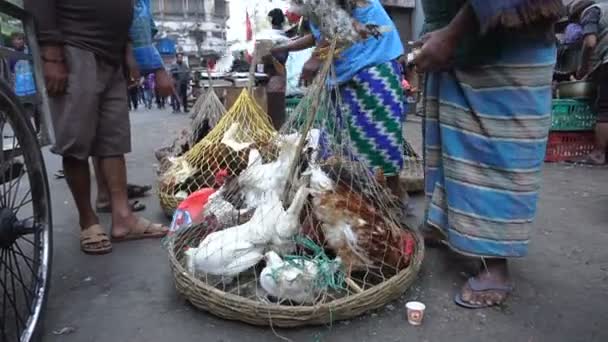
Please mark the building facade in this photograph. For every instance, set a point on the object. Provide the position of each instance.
(197, 26)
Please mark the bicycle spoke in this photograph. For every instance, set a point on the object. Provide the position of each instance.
(4, 299)
(7, 195)
(17, 183)
(34, 276)
(10, 299)
(7, 264)
(26, 258)
(15, 300)
(26, 288)
(27, 240)
(23, 201)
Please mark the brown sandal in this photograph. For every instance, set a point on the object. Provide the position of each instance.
(144, 229)
(95, 241)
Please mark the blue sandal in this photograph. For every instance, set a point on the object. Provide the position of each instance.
(477, 286)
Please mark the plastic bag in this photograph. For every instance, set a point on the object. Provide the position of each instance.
(190, 211)
(295, 63)
(141, 33)
(24, 79)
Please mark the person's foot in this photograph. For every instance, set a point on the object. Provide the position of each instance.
(594, 158)
(133, 227)
(490, 287)
(432, 237)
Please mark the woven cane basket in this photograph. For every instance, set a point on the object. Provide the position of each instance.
(233, 307)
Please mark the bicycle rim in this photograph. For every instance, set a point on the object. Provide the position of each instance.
(25, 225)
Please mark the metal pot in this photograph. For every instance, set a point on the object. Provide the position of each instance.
(576, 90)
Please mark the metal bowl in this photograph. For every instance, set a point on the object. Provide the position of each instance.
(576, 90)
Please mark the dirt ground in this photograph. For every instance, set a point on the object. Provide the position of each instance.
(561, 289)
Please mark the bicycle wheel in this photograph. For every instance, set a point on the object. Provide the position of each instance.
(25, 223)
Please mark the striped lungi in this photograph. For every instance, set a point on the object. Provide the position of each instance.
(485, 136)
(374, 106)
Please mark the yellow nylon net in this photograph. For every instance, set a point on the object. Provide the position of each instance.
(308, 225)
(198, 168)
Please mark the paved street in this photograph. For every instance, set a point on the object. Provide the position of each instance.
(561, 288)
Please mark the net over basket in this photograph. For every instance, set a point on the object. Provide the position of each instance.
(305, 235)
(412, 175)
(222, 151)
(207, 111)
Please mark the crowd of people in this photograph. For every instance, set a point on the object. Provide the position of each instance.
(144, 93)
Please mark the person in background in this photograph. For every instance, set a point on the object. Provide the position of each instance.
(133, 92)
(489, 68)
(160, 100)
(181, 75)
(83, 50)
(593, 18)
(368, 73)
(149, 87)
(240, 63)
(274, 67)
(17, 44)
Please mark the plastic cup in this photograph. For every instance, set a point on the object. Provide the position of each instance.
(415, 312)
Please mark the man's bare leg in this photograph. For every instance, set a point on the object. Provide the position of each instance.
(124, 222)
(598, 155)
(103, 194)
(77, 174)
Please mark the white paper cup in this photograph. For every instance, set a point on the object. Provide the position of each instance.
(415, 312)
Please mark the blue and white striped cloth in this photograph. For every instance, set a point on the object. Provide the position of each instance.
(485, 136)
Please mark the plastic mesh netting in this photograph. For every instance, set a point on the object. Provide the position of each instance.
(304, 233)
(245, 122)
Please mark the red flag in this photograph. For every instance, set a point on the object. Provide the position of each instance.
(248, 28)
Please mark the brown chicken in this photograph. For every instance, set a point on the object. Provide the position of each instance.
(354, 224)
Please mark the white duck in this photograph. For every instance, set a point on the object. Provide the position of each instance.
(295, 282)
(260, 182)
(231, 251)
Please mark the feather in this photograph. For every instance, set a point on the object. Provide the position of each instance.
(230, 136)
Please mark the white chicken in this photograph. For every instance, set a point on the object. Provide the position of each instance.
(231, 251)
(260, 182)
(297, 281)
(230, 136)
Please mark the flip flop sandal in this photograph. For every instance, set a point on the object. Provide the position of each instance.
(106, 208)
(144, 229)
(589, 161)
(137, 191)
(95, 241)
(436, 240)
(477, 286)
(59, 174)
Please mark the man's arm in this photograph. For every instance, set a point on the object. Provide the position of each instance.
(51, 44)
(298, 44)
(590, 23)
(44, 13)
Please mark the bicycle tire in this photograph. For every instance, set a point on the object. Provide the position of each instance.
(28, 149)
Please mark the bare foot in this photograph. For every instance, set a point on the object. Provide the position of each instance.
(490, 287)
(595, 158)
(133, 227)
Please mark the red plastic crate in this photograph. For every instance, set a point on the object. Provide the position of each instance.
(563, 146)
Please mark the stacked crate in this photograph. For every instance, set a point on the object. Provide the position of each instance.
(571, 135)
